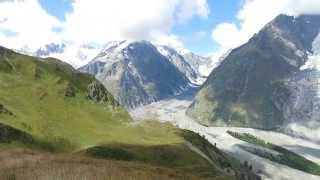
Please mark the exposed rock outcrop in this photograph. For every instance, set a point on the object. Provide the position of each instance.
(97, 92)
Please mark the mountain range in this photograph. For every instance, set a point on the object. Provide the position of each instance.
(170, 72)
(139, 73)
(240, 91)
(75, 55)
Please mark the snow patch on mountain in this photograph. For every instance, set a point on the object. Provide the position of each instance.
(213, 62)
(73, 54)
(116, 46)
(304, 107)
(198, 63)
(180, 62)
(49, 49)
(313, 61)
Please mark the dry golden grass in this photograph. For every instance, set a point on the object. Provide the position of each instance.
(24, 164)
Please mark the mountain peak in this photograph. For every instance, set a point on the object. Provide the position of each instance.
(115, 50)
(304, 18)
(166, 50)
(120, 45)
(114, 44)
(136, 73)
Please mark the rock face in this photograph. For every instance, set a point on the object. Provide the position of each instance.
(200, 64)
(181, 63)
(136, 73)
(266, 83)
(97, 92)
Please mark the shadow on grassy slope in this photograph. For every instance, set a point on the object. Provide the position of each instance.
(12, 137)
(173, 161)
(177, 156)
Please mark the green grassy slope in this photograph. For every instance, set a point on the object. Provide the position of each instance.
(48, 99)
(46, 106)
(150, 149)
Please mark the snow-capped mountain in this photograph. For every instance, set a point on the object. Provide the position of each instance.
(76, 55)
(272, 81)
(202, 65)
(50, 49)
(180, 62)
(136, 73)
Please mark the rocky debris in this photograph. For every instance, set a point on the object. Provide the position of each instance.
(97, 92)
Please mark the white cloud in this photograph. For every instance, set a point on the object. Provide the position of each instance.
(32, 25)
(96, 22)
(102, 21)
(186, 9)
(76, 55)
(227, 35)
(254, 14)
(172, 41)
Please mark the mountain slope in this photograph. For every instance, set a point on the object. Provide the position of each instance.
(136, 73)
(46, 106)
(181, 63)
(202, 65)
(167, 153)
(46, 97)
(253, 86)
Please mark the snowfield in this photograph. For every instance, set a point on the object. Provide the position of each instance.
(173, 110)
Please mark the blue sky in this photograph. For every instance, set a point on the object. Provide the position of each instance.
(221, 11)
(196, 33)
(57, 8)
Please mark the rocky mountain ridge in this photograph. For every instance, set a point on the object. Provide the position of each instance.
(136, 73)
(265, 83)
(139, 73)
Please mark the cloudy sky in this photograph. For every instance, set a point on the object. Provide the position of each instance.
(203, 26)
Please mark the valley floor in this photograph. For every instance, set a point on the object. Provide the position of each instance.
(173, 110)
